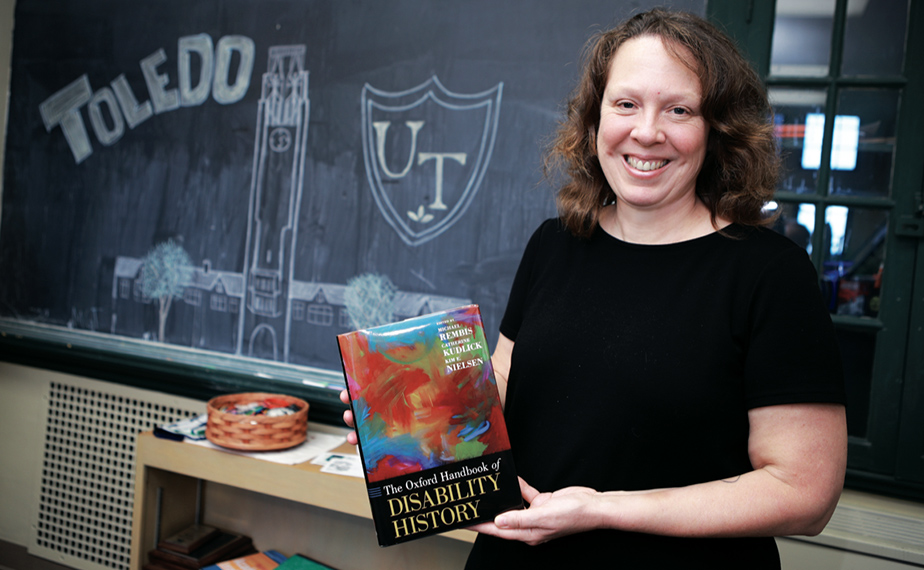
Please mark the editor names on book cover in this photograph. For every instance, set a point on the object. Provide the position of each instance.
(459, 344)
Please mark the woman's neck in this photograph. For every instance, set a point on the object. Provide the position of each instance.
(656, 227)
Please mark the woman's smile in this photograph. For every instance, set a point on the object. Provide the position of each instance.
(645, 165)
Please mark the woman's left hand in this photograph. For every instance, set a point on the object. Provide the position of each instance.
(549, 515)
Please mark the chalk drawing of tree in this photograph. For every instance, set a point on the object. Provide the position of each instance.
(165, 271)
(370, 300)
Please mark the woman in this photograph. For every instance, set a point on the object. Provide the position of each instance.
(672, 385)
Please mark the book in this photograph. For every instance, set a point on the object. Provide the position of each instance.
(266, 560)
(302, 562)
(188, 539)
(432, 438)
(159, 564)
(222, 546)
(155, 566)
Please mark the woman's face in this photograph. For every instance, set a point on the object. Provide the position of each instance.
(652, 136)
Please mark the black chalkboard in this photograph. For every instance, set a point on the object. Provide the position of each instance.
(286, 146)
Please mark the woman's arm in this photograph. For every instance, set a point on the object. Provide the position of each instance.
(799, 454)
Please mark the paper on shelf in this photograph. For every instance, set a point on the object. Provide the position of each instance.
(348, 464)
(315, 444)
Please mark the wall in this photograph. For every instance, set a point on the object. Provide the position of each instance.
(13, 408)
(21, 413)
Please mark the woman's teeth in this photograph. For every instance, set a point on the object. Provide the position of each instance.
(645, 165)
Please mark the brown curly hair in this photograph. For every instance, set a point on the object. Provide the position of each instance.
(741, 167)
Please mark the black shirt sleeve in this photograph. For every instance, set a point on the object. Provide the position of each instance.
(519, 292)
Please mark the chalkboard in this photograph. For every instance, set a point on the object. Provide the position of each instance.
(275, 151)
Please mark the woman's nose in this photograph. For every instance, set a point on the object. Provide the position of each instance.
(648, 129)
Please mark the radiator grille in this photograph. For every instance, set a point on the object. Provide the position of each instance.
(84, 515)
(876, 532)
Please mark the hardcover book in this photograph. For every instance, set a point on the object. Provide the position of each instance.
(221, 546)
(432, 437)
(188, 539)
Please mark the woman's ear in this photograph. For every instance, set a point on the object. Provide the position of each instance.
(592, 139)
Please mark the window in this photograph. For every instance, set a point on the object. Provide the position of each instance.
(264, 305)
(845, 96)
(219, 302)
(322, 315)
(266, 283)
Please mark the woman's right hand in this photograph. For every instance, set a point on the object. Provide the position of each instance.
(348, 418)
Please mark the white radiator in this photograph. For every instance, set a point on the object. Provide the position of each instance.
(83, 518)
(876, 526)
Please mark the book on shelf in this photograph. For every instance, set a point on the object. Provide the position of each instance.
(188, 539)
(266, 560)
(302, 562)
(432, 437)
(155, 566)
(221, 546)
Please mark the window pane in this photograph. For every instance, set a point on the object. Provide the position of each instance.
(795, 116)
(854, 254)
(857, 348)
(874, 37)
(796, 221)
(802, 38)
(864, 142)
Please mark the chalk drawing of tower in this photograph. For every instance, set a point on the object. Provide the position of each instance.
(275, 199)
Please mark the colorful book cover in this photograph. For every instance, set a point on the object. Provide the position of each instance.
(302, 562)
(430, 423)
(267, 560)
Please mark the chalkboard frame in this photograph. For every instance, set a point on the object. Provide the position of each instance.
(189, 373)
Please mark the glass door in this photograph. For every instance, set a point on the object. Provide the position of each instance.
(844, 97)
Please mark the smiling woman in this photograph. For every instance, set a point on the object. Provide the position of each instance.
(663, 412)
